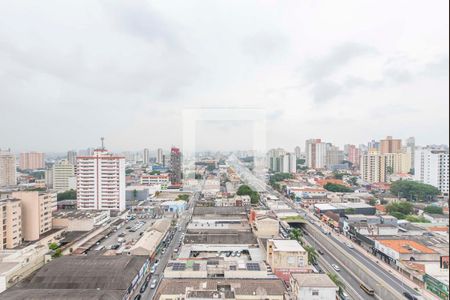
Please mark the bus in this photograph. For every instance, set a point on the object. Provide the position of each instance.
(368, 290)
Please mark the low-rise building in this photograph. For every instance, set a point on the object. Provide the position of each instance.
(79, 220)
(266, 226)
(162, 179)
(285, 257)
(148, 244)
(395, 250)
(230, 289)
(312, 287)
(436, 218)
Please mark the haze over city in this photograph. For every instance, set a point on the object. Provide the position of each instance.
(74, 71)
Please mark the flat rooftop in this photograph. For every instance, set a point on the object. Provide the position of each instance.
(77, 214)
(287, 245)
(407, 246)
(314, 280)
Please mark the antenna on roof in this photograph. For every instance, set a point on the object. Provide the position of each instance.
(103, 143)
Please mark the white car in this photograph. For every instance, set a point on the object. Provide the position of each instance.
(336, 267)
(350, 246)
(153, 284)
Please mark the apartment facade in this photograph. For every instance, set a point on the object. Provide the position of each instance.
(37, 208)
(151, 180)
(334, 156)
(316, 152)
(286, 256)
(431, 167)
(7, 168)
(376, 167)
(11, 216)
(390, 145)
(352, 154)
(32, 160)
(101, 181)
(63, 176)
(313, 287)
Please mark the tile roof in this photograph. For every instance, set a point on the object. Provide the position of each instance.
(406, 246)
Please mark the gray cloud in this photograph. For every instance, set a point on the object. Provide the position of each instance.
(263, 46)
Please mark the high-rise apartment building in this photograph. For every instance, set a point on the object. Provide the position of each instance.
(32, 161)
(298, 152)
(390, 145)
(175, 165)
(146, 156)
(11, 218)
(431, 167)
(63, 174)
(160, 156)
(7, 168)
(37, 210)
(376, 167)
(373, 146)
(316, 152)
(411, 149)
(280, 161)
(334, 156)
(72, 157)
(101, 181)
(352, 154)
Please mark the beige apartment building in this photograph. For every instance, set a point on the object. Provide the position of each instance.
(63, 174)
(11, 217)
(390, 145)
(32, 160)
(37, 210)
(7, 168)
(377, 167)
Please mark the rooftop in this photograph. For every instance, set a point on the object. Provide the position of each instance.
(313, 280)
(78, 214)
(287, 245)
(406, 246)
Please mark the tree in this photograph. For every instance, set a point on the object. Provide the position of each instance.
(337, 188)
(67, 195)
(416, 219)
(183, 197)
(350, 211)
(300, 161)
(338, 175)
(404, 208)
(296, 234)
(373, 202)
(312, 254)
(53, 246)
(57, 253)
(135, 194)
(128, 171)
(337, 281)
(414, 191)
(431, 209)
(353, 181)
(245, 190)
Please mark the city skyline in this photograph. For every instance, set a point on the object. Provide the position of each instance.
(131, 75)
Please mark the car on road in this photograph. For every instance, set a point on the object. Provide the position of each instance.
(350, 246)
(409, 296)
(115, 247)
(320, 252)
(344, 296)
(153, 284)
(153, 269)
(143, 287)
(149, 276)
(138, 297)
(336, 267)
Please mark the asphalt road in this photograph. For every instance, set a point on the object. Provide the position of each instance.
(387, 277)
(169, 253)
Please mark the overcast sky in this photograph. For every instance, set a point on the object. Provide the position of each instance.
(345, 71)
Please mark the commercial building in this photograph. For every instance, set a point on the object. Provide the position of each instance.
(151, 239)
(7, 168)
(32, 161)
(390, 145)
(431, 167)
(395, 250)
(79, 220)
(37, 210)
(175, 166)
(210, 268)
(316, 153)
(312, 287)
(266, 226)
(11, 220)
(342, 208)
(161, 179)
(84, 277)
(286, 257)
(101, 181)
(64, 178)
(376, 167)
(230, 289)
